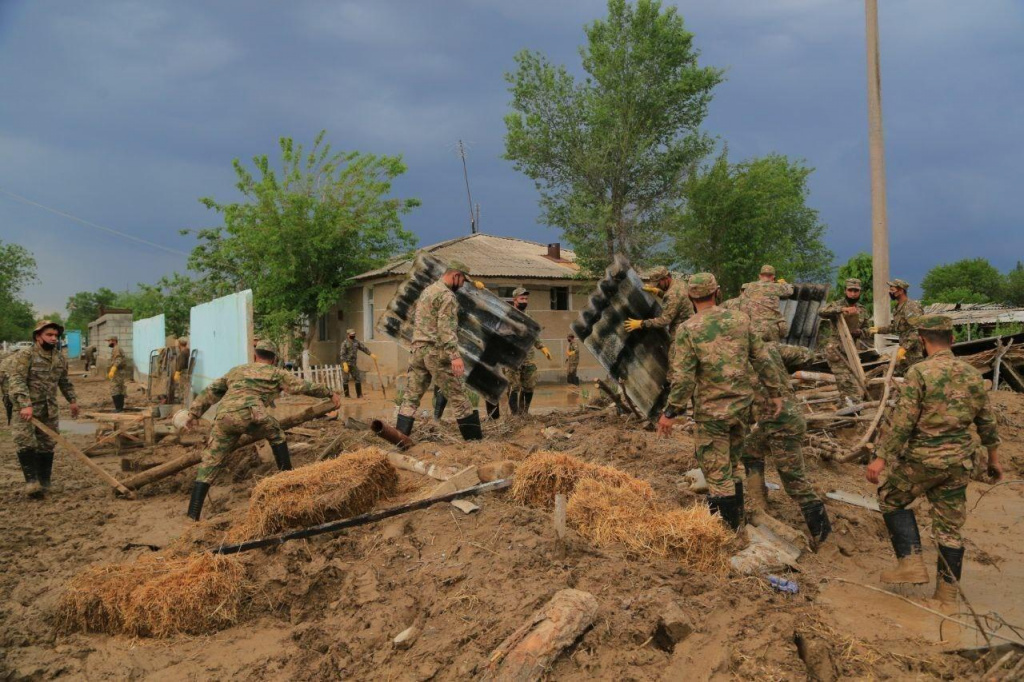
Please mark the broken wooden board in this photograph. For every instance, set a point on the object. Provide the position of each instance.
(466, 478)
(855, 499)
(465, 506)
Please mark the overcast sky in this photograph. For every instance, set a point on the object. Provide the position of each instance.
(125, 113)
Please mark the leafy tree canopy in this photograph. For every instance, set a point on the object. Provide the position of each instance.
(971, 280)
(17, 270)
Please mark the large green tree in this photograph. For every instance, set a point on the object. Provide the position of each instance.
(84, 306)
(740, 216)
(971, 280)
(173, 296)
(1015, 285)
(302, 231)
(17, 270)
(609, 152)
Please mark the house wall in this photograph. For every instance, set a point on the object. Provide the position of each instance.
(147, 336)
(111, 324)
(221, 332)
(394, 360)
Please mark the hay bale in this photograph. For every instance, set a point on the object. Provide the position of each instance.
(615, 515)
(544, 474)
(333, 489)
(155, 596)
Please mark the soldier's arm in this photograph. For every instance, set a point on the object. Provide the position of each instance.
(985, 421)
(17, 379)
(362, 347)
(832, 310)
(669, 310)
(904, 417)
(64, 384)
(768, 367)
(296, 386)
(783, 290)
(447, 327)
(205, 400)
(684, 373)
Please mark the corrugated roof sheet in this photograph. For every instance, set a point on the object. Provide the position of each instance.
(977, 313)
(489, 256)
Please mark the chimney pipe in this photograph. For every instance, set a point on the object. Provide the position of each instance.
(555, 251)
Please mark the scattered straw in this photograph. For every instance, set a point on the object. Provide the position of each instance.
(544, 474)
(337, 488)
(155, 596)
(609, 514)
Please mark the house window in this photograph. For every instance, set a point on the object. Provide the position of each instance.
(560, 298)
(323, 330)
(504, 292)
(368, 313)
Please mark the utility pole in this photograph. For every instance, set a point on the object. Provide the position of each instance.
(461, 148)
(876, 146)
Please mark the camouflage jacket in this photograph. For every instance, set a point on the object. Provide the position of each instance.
(34, 375)
(90, 354)
(711, 361)
(253, 385)
(531, 355)
(940, 399)
(761, 303)
(437, 320)
(4, 369)
(901, 323)
(859, 326)
(181, 360)
(572, 353)
(350, 349)
(118, 360)
(676, 308)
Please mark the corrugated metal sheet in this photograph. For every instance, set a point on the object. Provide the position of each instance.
(801, 313)
(490, 256)
(977, 313)
(147, 335)
(221, 332)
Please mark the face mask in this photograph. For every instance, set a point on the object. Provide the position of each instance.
(893, 296)
(110, 345)
(521, 306)
(47, 346)
(852, 301)
(352, 338)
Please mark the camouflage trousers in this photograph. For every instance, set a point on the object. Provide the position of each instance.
(118, 384)
(845, 382)
(945, 488)
(228, 429)
(428, 364)
(353, 374)
(719, 447)
(783, 438)
(26, 436)
(523, 378)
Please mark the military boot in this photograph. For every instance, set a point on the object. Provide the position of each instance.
(404, 424)
(946, 578)
(359, 389)
(526, 400)
(729, 508)
(906, 542)
(44, 465)
(281, 456)
(755, 485)
(820, 528)
(513, 402)
(118, 403)
(344, 387)
(469, 426)
(440, 402)
(195, 505)
(29, 461)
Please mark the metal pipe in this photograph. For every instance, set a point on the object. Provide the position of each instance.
(391, 434)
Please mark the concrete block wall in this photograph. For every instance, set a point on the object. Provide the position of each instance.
(112, 324)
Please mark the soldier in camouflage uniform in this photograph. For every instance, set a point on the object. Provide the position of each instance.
(676, 306)
(33, 377)
(763, 304)
(572, 359)
(859, 321)
(711, 360)
(523, 379)
(117, 374)
(930, 449)
(906, 308)
(435, 355)
(90, 357)
(8, 405)
(245, 393)
(182, 379)
(350, 349)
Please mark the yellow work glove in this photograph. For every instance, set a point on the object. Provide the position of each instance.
(632, 325)
(901, 353)
(873, 330)
(546, 352)
(570, 353)
(373, 356)
(112, 372)
(344, 367)
(653, 290)
(177, 376)
(478, 284)
(781, 281)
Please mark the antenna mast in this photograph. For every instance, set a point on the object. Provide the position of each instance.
(461, 148)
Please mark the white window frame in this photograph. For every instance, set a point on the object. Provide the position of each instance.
(368, 309)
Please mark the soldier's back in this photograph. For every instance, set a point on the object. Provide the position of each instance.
(952, 393)
(431, 302)
(251, 384)
(721, 341)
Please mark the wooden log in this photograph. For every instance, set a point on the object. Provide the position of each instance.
(822, 377)
(528, 652)
(82, 457)
(858, 449)
(852, 356)
(149, 427)
(192, 458)
(406, 463)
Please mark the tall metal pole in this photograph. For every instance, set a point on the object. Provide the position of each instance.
(876, 143)
(469, 197)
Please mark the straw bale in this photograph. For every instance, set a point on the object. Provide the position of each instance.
(349, 485)
(544, 474)
(155, 596)
(614, 515)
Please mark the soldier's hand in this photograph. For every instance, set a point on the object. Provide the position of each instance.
(191, 423)
(995, 470)
(665, 426)
(633, 324)
(336, 399)
(344, 367)
(653, 290)
(874, 470)
(25, 413)
(478, 284)
(373, 356)
(873, 330)
(112, 372)
(781, 281)
(850, 310)
(74, 410)
(546, 352)
(177, 376)
(776, 407)
(901, 353)
(458, 367)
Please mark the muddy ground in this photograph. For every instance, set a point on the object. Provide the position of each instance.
(329, 607)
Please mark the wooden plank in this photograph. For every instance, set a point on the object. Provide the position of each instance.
(866, 438)
(82, 457)
(148, 426)
(854, 499)
(852, 356)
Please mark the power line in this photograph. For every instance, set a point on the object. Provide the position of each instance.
(65, 214)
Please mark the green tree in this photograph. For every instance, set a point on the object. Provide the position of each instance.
(301, 234)
(971, 280)
(173, 296)
(859, 267)
(84, 307)
(1014, 290)
(740, 216)
(17, 270)
(608, 153)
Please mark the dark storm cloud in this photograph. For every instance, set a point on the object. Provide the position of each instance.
(125, 113)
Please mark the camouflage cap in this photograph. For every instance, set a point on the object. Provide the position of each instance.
(456, 264)
(702, 285)
(350, 332)
(939, 323)
(182, 340)
(520, 291)
(113, 337)
(660, 273)
(853, 283)
(266, 345)
(900, 284)
(43, 324)
(768, 270)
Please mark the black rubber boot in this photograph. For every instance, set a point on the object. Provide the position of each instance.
(494, 410)
(118, 403)
(527, 399)
(404, 424)
(44, 466)
(513, 402)
(344, 387)
(440, 402)
(359, 389)
(906, 542)
(195, 505)
(281, 456)
(29, 467)
(728, 508)
(817, 521)
(741, 502)
(469, 427)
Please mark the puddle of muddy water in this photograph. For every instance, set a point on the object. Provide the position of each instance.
(78, 428)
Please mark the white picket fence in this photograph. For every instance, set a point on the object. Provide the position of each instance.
(329, 375)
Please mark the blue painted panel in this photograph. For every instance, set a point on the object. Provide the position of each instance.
(73, 339)
(221, 332)
(147, 336)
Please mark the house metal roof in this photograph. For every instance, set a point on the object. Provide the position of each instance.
(977, 313)
(488, 255)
